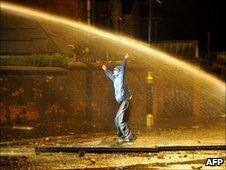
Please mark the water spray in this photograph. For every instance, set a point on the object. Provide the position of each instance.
(129, 42)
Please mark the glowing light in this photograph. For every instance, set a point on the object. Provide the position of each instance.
(134, 44)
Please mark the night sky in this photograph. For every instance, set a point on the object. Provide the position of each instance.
(192, 19)
(180, 20)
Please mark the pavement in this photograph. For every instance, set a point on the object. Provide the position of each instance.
(21, 153)
(180, 136)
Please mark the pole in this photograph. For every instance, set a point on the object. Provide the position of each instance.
(156, 29)
(118, 23)
(149, 23)
(88, 12)
(208, 47)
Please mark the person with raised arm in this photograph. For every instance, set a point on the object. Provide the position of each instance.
(123, 97)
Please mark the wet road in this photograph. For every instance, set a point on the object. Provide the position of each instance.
(21, 153)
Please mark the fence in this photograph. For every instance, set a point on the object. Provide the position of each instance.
(185, 49)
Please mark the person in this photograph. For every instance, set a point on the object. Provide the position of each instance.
(123, 97)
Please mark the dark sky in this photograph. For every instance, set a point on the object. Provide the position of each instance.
(192, 19)
(185, 20)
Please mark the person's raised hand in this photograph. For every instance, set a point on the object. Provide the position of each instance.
(104, 67)
(126, 56)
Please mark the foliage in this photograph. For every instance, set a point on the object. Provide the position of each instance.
(40, 60)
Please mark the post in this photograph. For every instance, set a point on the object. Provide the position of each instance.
(88, 12)
(156, 29)
(118, 23)
(208, 47)
(116, 14)
(149, 23)
(149, 118)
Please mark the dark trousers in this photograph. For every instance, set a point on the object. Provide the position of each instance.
(121, 120)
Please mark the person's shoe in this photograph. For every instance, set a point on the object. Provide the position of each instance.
(131, 140)
(120, 139)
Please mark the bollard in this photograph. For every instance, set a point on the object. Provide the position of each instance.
(150, 120)
(149, 117)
